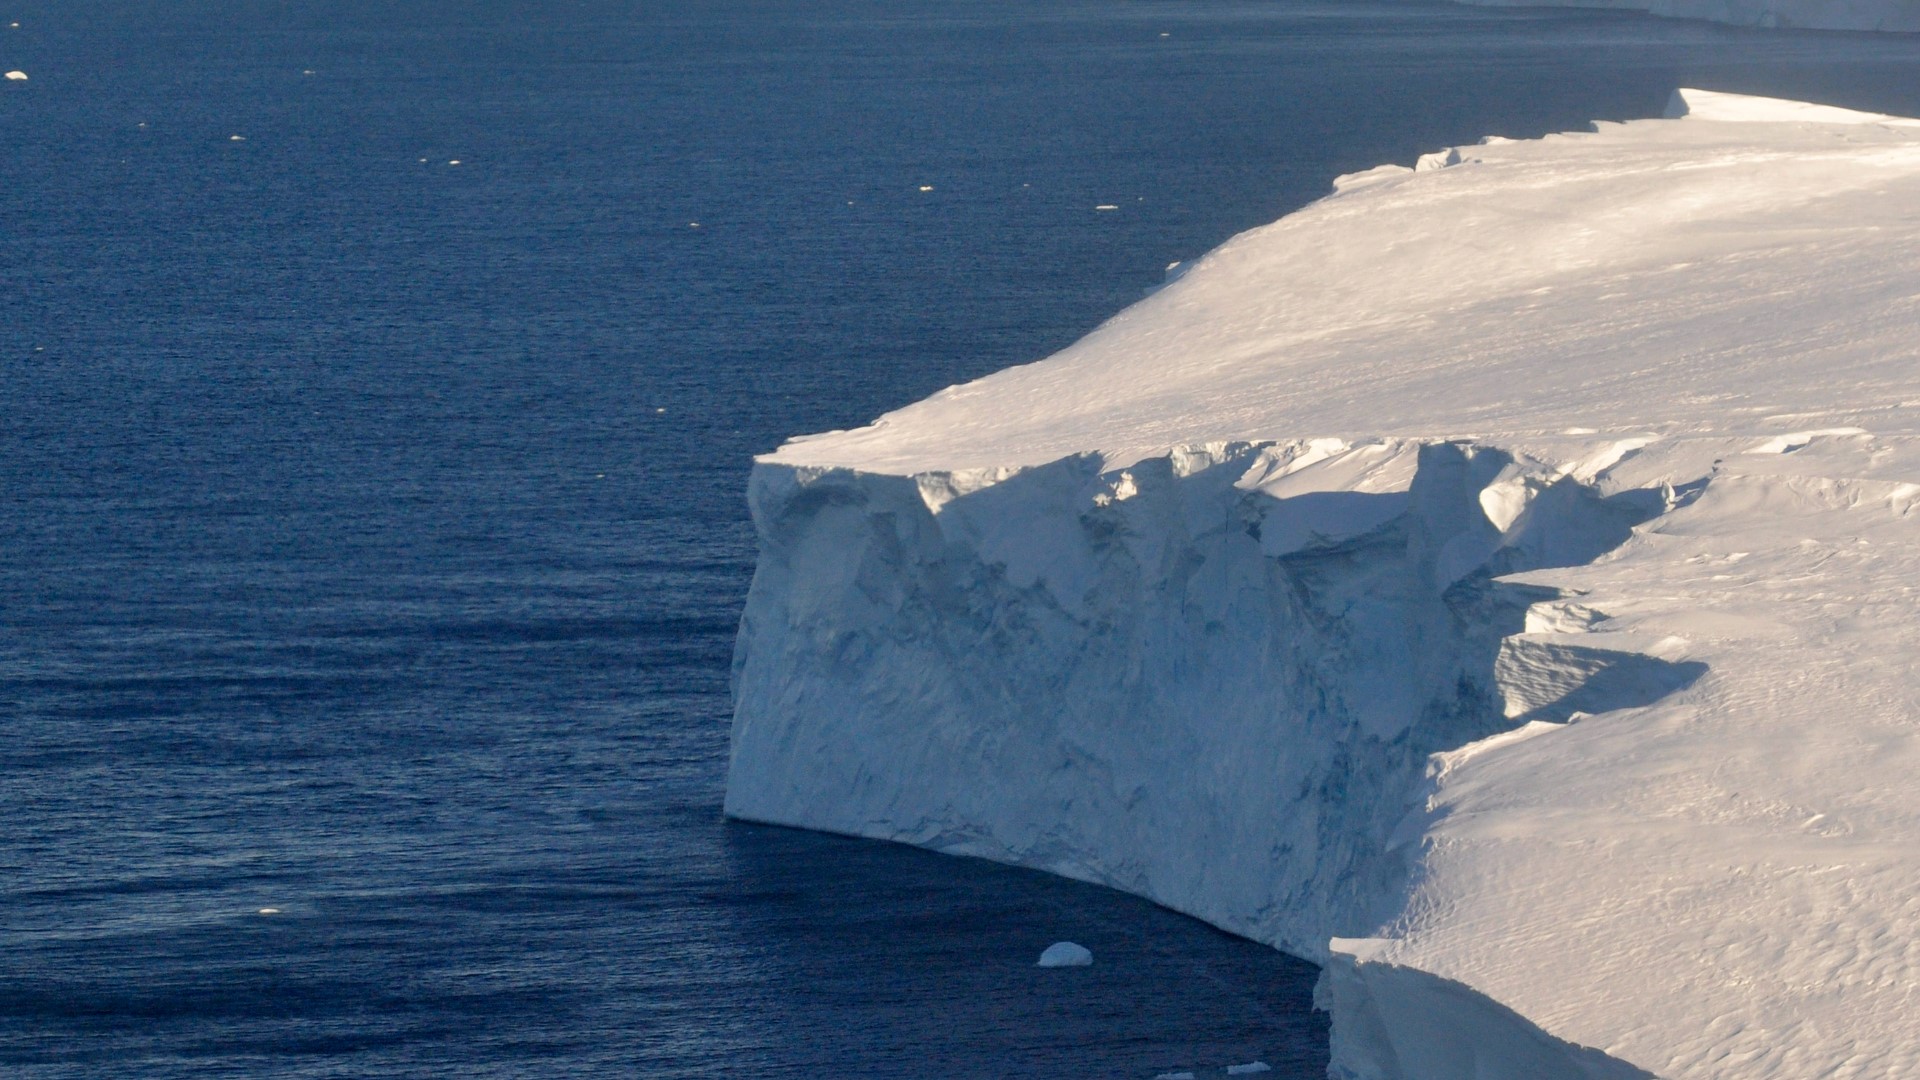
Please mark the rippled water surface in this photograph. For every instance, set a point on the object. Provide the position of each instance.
(371, 525)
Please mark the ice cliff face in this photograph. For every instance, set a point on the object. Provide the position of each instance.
(1493, 581)
(1886, 15)
(1214, 677)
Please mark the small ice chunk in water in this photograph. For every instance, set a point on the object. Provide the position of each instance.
(269, 911)
(1065, 954)
(1249, 1067)
(17, 76)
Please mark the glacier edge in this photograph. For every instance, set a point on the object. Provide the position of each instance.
(1581, 705)
(1219, 678)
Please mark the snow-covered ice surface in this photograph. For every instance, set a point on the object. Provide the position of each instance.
(1886, 15)
(1495, 581)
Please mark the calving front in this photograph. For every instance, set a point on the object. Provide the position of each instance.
(1491, 581)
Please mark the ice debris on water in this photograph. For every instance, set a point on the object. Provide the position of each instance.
(17, 76)
(1065, 954)
(1249, 1068)
(1174, 1075)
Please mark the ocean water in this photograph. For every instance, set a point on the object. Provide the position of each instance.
(374, 423)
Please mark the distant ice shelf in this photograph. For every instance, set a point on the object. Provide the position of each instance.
(1498, 582)
(1902, 16)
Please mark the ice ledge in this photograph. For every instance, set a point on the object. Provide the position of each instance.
(1747, 108)
(1401, 1023)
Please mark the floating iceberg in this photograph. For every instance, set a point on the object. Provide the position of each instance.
(1495, 582)
(1065, 954)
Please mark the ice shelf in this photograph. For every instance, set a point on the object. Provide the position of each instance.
(1494, 582)
(1900, 16)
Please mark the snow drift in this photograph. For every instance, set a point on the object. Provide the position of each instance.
(1494, 582)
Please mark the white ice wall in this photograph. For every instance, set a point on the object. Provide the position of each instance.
(1213, 678)
(1885, 15)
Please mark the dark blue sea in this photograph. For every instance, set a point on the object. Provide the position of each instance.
(374, 425)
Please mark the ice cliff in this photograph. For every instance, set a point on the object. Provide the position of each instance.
(1495, 581)
(1889, 15)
